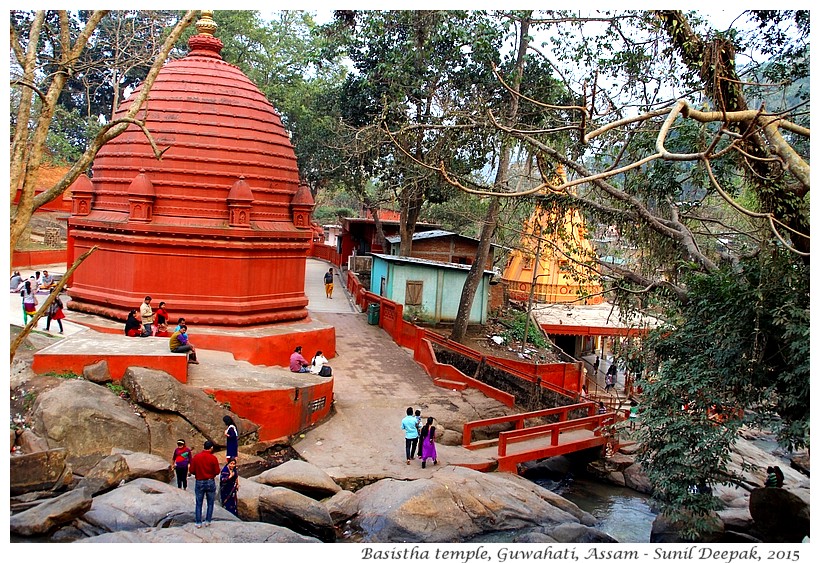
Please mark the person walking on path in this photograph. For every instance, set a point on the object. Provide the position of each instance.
(55, 312)
(417, 414)
(298, 363)
(610, 376)
(596, 365)
(204, 468)
(28, 294)
(179, 344)
(411, 434)
(329, 284)
(229, 486)
(147, 315)
(180, 461)
(231, 438)
(428, 443)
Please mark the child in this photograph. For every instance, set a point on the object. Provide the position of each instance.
(633, 414)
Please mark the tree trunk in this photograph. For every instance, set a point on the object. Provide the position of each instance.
(501, 178)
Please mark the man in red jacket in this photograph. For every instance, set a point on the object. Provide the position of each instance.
(204, 467)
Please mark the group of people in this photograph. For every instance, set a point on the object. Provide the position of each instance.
(28, 290)
(318, 365)
(204, 466)
(419, 436)
(38, 282)
(148, 322)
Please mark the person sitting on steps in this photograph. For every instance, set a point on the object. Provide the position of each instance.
(179, 343)
(298, 363)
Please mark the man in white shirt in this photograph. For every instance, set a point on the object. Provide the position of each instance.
(147, 315)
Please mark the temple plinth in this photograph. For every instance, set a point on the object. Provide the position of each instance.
(218, 226)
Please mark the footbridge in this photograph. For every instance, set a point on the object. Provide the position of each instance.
(554, 431)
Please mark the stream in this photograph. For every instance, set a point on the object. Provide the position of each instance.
(626, 515)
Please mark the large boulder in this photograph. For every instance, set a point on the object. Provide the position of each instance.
(149, 466)
(88, 421)
(302, 477)
(161, 392)
(51, 513)
(143, 503)
(166, 428)
(781, 515)
(217, 532)
(247, 500)
(463, 504)
(107, 474)
(298, 512)
(342, 506)
(41, 471)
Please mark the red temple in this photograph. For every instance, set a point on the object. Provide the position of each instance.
(219, 227)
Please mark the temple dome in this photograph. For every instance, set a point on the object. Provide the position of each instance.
(211, 227)
(214, 125)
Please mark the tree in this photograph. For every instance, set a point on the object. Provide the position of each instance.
(39, 101)
(415, 70)
(710, 193)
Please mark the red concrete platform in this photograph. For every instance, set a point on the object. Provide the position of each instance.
(73, 354)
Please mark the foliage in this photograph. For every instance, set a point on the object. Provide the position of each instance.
(118, 390)
(736, 353)
(63, 375)
(516, 321)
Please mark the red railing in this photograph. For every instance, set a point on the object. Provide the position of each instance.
(520, 419)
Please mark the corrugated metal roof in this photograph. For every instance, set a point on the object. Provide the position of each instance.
(424, 262)
(423, 235)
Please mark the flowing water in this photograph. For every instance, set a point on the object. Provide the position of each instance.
(626, 515)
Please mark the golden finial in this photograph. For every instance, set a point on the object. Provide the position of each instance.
(206, 24)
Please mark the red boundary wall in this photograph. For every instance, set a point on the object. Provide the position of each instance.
(32, 258)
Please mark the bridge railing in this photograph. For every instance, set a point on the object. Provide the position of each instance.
(554, 430)
(520, 419)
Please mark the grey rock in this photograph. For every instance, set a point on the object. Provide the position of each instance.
(98, 372)
(51, 513)
(297, 512)
(145, 502)
(301, 477)
(463, 503)
(161, 392)
(106, 475)
(88, 421)
(781, 515)
(217, 532)
(145, 465)
(342, 506)
(635, 478)
(576, 533)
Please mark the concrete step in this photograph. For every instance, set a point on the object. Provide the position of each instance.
(450, 384)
